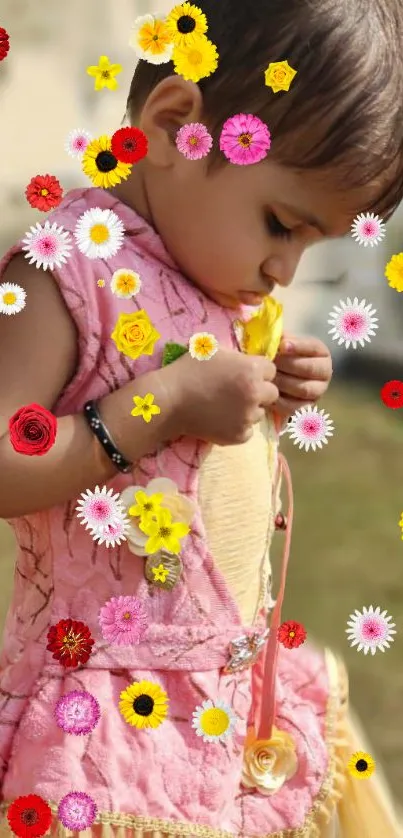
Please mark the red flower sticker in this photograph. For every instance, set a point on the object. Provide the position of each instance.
(32, 430)
(291, 634)
(129, 145)
(392, 394)
(71, 642)
(4, 43)
(44, 192)
(29, 816)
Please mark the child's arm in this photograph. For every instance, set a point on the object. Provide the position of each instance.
(218, 401)
(37, 360)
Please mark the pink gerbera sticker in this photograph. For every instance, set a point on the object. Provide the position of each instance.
(352, 322)
(245, 139)
(47, 245)
(368, 229)
(194, 141)
(370, 630)
(310, 428)
(77, 712)
(123, 621)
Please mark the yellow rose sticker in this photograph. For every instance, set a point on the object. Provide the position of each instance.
(269, 763)
(261, 335)
(279, 76)
(135, 335)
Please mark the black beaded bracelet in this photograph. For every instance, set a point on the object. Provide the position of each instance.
(103, 436)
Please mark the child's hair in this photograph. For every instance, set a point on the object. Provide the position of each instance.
(344, 107)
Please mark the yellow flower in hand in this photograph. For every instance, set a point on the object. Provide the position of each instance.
(146, 505)
(104, 73)
(279, 76)
(261, 335)
(163, 533)
(145, 407)
(135, 335)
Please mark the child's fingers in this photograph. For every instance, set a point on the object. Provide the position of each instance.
(285, 407)
(299, 388)
(307, 347)
(309, 368)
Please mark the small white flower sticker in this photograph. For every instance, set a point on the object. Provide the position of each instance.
(203, 346)
(214, 721)
(370, 629)
(309, 428)
(368, 229)
(353, 322)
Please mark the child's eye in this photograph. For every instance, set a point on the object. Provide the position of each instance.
(276, 228)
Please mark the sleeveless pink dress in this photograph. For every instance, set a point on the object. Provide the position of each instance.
(166, 781)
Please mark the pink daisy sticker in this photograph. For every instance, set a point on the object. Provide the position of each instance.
(77, 712)
(368, 229)
(245, 139)
(77, 811)
(99, 509)
(370, 629)
(123, 621)
(47, 245)
(309, 428)
(77, 142)
(352, 322)
(194, 141)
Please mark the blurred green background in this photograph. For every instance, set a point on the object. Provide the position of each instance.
(346, 554)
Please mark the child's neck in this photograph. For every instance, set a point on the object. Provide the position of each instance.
(132, 193)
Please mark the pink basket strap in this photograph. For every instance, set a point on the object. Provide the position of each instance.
(266, 701)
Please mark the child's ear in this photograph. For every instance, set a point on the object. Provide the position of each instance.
(173, 102)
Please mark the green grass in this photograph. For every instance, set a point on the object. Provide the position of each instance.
(346, 553)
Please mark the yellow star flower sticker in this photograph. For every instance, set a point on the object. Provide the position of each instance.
(146, 506)
(104, 73)
(279, 76)
(163, 533)
(101, 283)
(160, 573)
(145, 407)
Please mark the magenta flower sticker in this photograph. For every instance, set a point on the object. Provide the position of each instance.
(123, 621)
(77, 712)
(77, 811)
(194, 141)
(245, 139)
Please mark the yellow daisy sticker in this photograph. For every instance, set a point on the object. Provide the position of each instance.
(279, 76)
(144, 704)
(361, 765)
(197, 60)
(394, 272)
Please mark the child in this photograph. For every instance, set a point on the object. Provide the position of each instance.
(199, 725)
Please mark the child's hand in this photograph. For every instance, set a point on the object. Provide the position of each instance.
(304, 372)
(221, 399)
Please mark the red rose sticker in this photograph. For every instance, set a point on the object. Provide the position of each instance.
(32, 430)
(4, 43)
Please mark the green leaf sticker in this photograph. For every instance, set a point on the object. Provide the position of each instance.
(171, 353)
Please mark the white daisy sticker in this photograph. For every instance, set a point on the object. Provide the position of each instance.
(77, 141)
(214, 721)
(47, 245)
(151, 39)
(98, 509)
(368, 229)
(125, 283)
(353, 322)
(370, 630)
(12, 298)
(99, 233)
(310, 428)
(203, 346)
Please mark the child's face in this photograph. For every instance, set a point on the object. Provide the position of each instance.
(219, 228)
